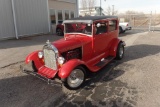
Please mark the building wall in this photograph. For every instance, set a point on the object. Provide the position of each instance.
(6, 19)
(70, 1)
(28, 17)
(31, 16)
(63, 6)
(94, 11)
(23, 17)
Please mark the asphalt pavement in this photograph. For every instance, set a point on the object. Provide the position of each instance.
(131, 82)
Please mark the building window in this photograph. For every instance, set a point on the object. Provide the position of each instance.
(52, 16)
(72, 14)
(60, 16)
(112, 25)
(66, 14)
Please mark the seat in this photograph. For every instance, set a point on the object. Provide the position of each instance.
(88, 30)
(101, 30)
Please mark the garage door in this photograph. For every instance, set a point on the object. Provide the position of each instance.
(6, 19)
(31, 16)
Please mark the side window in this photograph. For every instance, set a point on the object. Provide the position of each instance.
(112, 25)
(101, 28)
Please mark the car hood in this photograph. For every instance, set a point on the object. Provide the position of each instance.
(72, 42)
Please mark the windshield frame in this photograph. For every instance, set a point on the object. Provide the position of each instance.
(78, 32)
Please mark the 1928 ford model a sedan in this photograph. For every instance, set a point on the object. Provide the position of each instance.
(89, 44)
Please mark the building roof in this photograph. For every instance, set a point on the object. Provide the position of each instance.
(88, 19)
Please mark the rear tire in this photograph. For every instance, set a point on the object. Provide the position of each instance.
(59, 32)
(76, 78)
(120, 51)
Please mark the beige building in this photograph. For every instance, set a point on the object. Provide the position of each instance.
(92, 11)
(61, 10)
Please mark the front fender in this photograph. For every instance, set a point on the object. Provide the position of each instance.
(34, 57)
(67, 68)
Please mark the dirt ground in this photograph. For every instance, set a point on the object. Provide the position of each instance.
(131, 82)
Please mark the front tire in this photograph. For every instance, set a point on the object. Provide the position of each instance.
(120, 51)
(76, 78)
(34, 67)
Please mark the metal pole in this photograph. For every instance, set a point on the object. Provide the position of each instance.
(100, 9)
(112, 9)
(150, 21)
(49, 18)
(14, 19)
(77, 8)
(154, 21)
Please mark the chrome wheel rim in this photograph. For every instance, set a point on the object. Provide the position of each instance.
(76, 78)
(121, 51)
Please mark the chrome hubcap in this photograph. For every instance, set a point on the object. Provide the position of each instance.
(76, 78)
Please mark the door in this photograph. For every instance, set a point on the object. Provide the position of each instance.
(101, 38)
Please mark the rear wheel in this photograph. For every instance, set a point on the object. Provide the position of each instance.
(59, 32)
(120, 51)
(76, 78)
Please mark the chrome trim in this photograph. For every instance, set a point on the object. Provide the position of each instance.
(49, 46)
(49, 81)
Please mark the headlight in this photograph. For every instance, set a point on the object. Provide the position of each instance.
(40, 55)
(61, 60)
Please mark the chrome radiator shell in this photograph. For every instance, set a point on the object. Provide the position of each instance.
(50, 56)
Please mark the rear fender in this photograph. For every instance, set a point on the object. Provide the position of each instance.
(67, 68)
(113, 49)
(34, 57)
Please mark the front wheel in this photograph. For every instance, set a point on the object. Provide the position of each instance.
(34, 67)
(120, 51)
(76, 78)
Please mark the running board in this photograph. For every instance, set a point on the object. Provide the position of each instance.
(104, 61)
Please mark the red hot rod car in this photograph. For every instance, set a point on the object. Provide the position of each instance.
(89, 44)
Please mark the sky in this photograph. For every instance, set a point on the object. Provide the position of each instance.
(145, 6)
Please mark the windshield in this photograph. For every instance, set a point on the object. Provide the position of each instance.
(78, 28)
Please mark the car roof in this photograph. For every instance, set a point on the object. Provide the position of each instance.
(88, 19)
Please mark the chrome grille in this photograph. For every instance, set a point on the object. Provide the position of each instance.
(50, 59)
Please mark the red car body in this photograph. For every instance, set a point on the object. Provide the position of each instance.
(87, 51)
